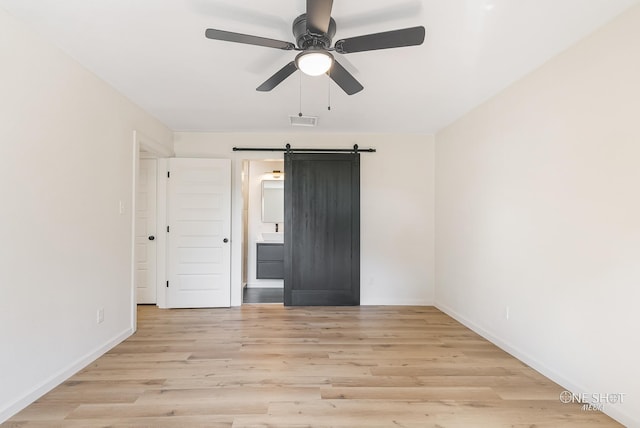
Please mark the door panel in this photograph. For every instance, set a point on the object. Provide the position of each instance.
(146, 226)
(322, 229)
(200, 221)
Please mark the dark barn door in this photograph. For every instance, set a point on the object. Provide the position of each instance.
(322, 229)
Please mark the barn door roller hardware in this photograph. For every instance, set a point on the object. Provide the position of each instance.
(289, 149)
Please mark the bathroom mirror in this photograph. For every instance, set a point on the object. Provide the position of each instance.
(272, 201)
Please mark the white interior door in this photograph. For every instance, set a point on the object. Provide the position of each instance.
(199, 265)
(145, 229)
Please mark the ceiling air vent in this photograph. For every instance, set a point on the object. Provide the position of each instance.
(303, 120)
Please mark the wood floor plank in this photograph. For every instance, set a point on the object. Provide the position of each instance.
(421, 393)
(141, 410)
(271, 366)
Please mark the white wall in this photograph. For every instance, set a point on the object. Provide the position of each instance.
(66, 160)
(397, 245)
(258, 171)
(538, 209)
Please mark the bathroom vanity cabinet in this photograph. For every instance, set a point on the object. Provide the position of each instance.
(270, 260)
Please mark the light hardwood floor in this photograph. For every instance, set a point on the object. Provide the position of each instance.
(270, 366)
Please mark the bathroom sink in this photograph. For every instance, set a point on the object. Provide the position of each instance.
(272, 236)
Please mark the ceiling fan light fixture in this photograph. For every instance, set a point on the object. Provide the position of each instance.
(314, 63)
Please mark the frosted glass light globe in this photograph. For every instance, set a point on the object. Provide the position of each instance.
(314, 63)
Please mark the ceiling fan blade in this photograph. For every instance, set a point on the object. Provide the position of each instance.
(344, 79)
(389, 39)
(319, 15)
(229, 36)
(277, 78)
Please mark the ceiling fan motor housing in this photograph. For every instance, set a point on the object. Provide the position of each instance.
(308, 40)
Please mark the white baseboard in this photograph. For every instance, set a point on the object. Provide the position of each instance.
(59, 377)
(395, 302)
(569, 385)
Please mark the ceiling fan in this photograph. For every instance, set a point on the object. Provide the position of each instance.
(313, 32)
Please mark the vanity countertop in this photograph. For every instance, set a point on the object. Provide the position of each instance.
(271, 237)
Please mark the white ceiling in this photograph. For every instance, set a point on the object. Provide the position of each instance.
(155, 52)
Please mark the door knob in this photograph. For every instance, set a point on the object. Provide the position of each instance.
(151, 238)
(225, 240)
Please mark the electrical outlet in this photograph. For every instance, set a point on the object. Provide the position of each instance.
(100, 316)
(507, 312)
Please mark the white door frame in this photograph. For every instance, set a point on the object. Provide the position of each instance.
(142, 141)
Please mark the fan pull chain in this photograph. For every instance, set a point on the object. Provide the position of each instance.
(329, 89)
(300, 110)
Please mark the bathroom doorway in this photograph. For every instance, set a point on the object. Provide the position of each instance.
(263, 231)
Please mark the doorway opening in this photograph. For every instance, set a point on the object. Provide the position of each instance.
(263, 227)
(145, 147)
